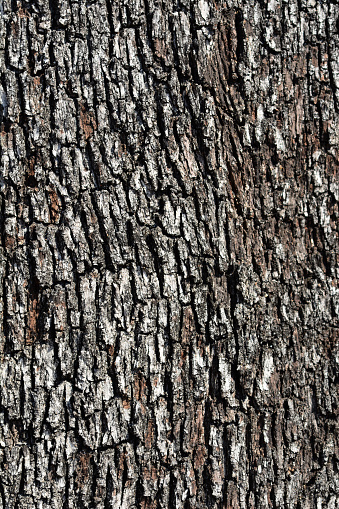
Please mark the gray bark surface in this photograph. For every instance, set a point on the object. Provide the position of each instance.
(169, 254)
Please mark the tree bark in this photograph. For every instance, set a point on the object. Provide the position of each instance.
(169, 254)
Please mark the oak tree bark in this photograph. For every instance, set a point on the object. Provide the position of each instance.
(169, 254)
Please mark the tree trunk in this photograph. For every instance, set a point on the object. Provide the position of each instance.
(169, 254)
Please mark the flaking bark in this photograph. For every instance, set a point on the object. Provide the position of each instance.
(169, 254)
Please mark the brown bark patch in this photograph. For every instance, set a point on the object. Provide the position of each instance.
(15, 28)
(188, 326)
(10, 242)
(83, 470)
(54, 205)
(126, 404)
(140, 387)
(22, 13)
(87, 122)
(149, 437)
(160, 48)
(200, 457)
(33, 311)
(148, 503)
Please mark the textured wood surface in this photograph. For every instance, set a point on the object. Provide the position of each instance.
(169, 254)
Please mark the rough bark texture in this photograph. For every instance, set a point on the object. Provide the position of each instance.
(169, 254)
